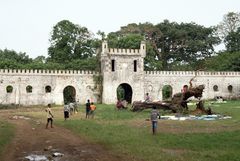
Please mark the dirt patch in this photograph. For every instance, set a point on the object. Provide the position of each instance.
(32, 138)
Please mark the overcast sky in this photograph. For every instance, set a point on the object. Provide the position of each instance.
(25, 25)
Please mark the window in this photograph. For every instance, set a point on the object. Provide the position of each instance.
(135, 65)
(9, 89)
(230, 88)
(113, 65)
(48, 89)
(29, 89)
(215, 88)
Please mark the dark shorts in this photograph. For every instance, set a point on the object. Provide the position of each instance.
(49, 119)
(87, 111)
(154, 124)
(66, 114)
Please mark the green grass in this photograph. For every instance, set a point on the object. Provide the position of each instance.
(6, 134)
(129, 133)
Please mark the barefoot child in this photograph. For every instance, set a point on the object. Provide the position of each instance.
(49, 116)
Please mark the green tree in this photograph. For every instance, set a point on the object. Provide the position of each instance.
(69, 42)
(185, 43)
(170, 44)
(232, 41)
(225, 61)
(10, 59)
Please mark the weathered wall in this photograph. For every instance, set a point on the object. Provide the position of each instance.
(82, 81)
(140, 81)
(154, 82)
(123, 73)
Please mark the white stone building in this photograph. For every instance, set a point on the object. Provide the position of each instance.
(119, 67)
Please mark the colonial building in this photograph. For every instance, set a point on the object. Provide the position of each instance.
(119, 67)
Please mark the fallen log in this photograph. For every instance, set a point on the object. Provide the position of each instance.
(178, 102)
(139, 105)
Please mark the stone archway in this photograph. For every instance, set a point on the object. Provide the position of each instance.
(124, 92)
(69, 94)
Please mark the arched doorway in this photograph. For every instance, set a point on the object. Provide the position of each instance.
(124, 92)
(167, 92)
(69, 94)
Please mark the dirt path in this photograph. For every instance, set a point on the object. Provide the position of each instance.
(32, 138)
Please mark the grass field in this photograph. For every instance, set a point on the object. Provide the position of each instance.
(129, 133)
(6, 134)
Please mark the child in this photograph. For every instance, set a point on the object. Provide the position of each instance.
(87, 108)
(154, 118)
(92, 109)
(49, 116)
(66, 111)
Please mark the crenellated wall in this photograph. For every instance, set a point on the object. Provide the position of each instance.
(119, 67)
(116, 51)
(45, 72)
(81, 81)
(156, 80)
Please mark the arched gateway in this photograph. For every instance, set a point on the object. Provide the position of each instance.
(69, 94)
(124, 92)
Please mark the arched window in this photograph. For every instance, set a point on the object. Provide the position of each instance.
(167, 92)
(48, 89)
(230, 88)
(29, 89)
(9, 89)
(215, 88)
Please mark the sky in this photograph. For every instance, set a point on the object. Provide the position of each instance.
(25, 25)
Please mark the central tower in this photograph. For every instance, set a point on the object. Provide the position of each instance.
(122, 67)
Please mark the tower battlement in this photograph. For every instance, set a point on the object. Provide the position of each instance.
(124, 52)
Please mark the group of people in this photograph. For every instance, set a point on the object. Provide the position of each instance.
(69, 109)
(90, 108)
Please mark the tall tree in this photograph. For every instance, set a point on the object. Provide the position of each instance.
(230, 23)
(232, 41)
(170, 44)
(69, 42)
(185, 43)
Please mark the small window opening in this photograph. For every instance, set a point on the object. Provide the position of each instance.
(9, 89)
(29, 89)
(135, 65)
(48, 89)
(230, 88)
(113, 65)
(215, 88)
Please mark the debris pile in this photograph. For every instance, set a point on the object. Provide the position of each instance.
(15, 117)
(193, 117)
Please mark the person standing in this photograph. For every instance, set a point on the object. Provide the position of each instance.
(147, 98)
(66, 111)
(49, 116)
(154, 118)
(92, 109)
(88, 108)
